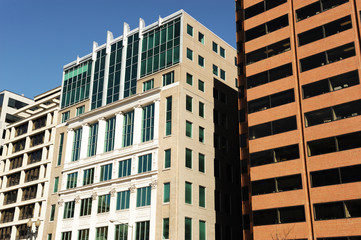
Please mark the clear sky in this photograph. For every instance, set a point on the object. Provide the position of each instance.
(38, 37)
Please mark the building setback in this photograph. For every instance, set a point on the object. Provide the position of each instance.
(25, 165)
(147, 145)
(300, 106)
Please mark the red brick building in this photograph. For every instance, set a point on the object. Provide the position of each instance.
(300, 123)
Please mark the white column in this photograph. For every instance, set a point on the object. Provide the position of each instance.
(59, 221)
(76, 216)
(101, 135)
(156, 119)
(153, 209)
(119, 120)
(69, 145)
(132, 209)
(137, 124)
(93, 216)
(84, 141)
(112, 213)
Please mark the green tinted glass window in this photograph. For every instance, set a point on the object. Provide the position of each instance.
(60, 150)
(215, 70)
(168, 78)
(200, 61)
(168, 120)
(115, 63)
(166, 192)
(190, 30)
(104, 203)
(189, 103)
(109, 135)
(188, 192)
(92, 140)
(202, 196)
(201, 109)
(201, 37)
(189, 54)
(148, 85)
(200, 85)
(121, 232)
(188, 156)
(222, 52)
(56, 184)
(143, 196)
(125, 168)
(145, 163)
(201, 134)
(189, 79)
(165, 228)
(76, 144)
(128, 129)
(189, 129)
(223, 74)
(123, 199)
(202, 230)
(201, 162)
(167, 158)
(215, 47)
(106, 172)
(148, 123)
(98, 82)
(80, 110)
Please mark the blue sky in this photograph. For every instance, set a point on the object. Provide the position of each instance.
(38, 37)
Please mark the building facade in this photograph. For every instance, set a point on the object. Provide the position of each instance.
(25, 165)
(147, 147)
(9, 104)
(299, 64)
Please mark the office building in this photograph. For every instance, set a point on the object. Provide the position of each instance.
(25, 165)
(147, 143)
(300, 106)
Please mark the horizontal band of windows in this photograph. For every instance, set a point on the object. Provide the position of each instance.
(271, 101)
(331, 84)
(268, 51)
(269, 76)
(261, 7)
(336, 176)
(324, 31)
(333, 113)
(317, 8)
(328, 57)
(337, 210)
(273, 128)
(266, 28)
(275, 155)
(334, 144)
(275, 185)
(279, 215)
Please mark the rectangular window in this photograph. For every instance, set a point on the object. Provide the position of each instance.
(167, 158)
(145, 163)
(168, 78)
(106, 172)
(50, 236)
(29, 192)
(109, 135)
(200, 85)
(101, 233)
(125, 168)
(11, 197)
(201, 134)
(93, 139)
(86, 206)
(168, 120)
(72, 180)
(215, 70)
(261, 7)
(188, 228)
(52, 212)
(223, 74)
(104, 203)
(189, 103)
(202, 230)
(32, 174)
(189, 54)
(166, 192)
(128, 129)
(142, 230)
(335, 176)
(190, 30)
(338, 210)
(143, 196)
(189, 126)
(80, 110)
(279, 184)
(69, 209)
(269, 76)
(222, 52)
(83, 234)
(201, 162)
(20, 130)
(37, 139)
(202, 196)
(165, 228)
(200, 61)
(60, 150)
(56, 183)
(285, 153)
(19, 145)
(88, 176)
(148, 123)
(188, 154)
(65, 116)
(121, 232)
(76, 144)
(16, 162)
(279, 215)
(66, 235)
(273, 128)
(271, 101)
(147, 85)
(317, 8)
(201, 37)
(188, 192)
(123, 199)
(215, 47)
(35, 156)
(39, 122)
(189, 79)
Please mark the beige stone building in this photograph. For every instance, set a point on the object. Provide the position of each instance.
(25, 165)
(147, 141)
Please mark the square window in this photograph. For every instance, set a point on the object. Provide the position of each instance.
(201, 37)
(143, 196)
(200, 85)
(189, 79)
(190, 30)
(200, 61)
(189, 54)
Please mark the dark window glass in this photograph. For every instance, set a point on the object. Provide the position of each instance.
(269, 76)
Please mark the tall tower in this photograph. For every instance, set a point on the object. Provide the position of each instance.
(300, 106)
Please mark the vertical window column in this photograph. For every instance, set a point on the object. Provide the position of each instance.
(101, 135)
(69, 145)
(138, 111)
(84, 141)
(119, 119)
